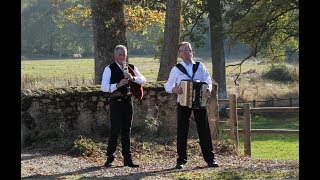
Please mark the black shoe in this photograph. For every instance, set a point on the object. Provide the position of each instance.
(130, 164)
(213, 164)
(179, 166)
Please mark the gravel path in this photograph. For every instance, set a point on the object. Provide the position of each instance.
(35, 165)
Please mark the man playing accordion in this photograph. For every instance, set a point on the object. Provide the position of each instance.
(188, 75)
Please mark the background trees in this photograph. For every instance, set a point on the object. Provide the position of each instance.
(41, 35)
(265, 29)
(269, 28)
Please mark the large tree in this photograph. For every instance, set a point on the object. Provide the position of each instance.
(109, 30)
(217, 47)
(171, 39)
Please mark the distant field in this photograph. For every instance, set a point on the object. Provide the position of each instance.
(84, 68)
(36, 74)
(58, 73)
(67, 68)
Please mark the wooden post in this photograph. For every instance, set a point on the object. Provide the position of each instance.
(272, 102)
(254, 103)
(247, 129)
(213, 112)
(234, 121)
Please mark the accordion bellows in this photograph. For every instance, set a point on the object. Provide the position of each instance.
(193, 95)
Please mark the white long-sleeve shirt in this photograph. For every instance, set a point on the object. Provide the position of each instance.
(105, 83)
(176, 76)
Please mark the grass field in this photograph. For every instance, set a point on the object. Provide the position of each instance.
(273, 146)
(44, 74)
(84, 68)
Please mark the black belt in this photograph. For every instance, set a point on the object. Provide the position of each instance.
(120, 99)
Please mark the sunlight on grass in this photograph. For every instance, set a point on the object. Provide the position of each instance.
(279, 147)
(58, 68)
(37, 74)
(273, 146)
(232, 174)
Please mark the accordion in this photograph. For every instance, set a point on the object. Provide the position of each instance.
(193, 95)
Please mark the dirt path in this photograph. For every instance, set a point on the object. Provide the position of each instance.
(36, 165)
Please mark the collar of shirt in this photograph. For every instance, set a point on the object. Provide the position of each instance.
(120, 66)
(188, 67)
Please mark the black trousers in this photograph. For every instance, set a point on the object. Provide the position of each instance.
(121, 120)
(201, 118)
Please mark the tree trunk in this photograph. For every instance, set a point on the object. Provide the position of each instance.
(109, 30)
(217, 48)
(169, 50)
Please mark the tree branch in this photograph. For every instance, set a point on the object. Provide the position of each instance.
(193, 26)
(238, 65)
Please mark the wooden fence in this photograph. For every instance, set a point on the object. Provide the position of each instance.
(291, 101)
(247, 110)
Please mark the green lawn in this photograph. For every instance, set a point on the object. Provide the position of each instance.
(272, 146)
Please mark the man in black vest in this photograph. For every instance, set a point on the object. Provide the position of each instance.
(115, 80)
(190, 70)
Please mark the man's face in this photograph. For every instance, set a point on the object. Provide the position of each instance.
(184, 52)
(120, 56)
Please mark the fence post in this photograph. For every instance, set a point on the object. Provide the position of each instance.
(213, 112)
(234, 121)
(272, 102)
(254, 103)
(247, 129)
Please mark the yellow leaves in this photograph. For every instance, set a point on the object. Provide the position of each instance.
(86, 12)
(138, 18)
(199, 2)
(77, 14)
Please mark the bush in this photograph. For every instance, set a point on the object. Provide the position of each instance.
(282, 73)
(84, 146)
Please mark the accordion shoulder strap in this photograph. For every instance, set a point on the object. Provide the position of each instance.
(194, 69)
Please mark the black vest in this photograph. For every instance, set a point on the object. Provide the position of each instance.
(117, 75)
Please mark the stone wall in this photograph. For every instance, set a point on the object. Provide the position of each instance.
(62, 112)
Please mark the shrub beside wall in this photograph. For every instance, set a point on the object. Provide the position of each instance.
(65, 112)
